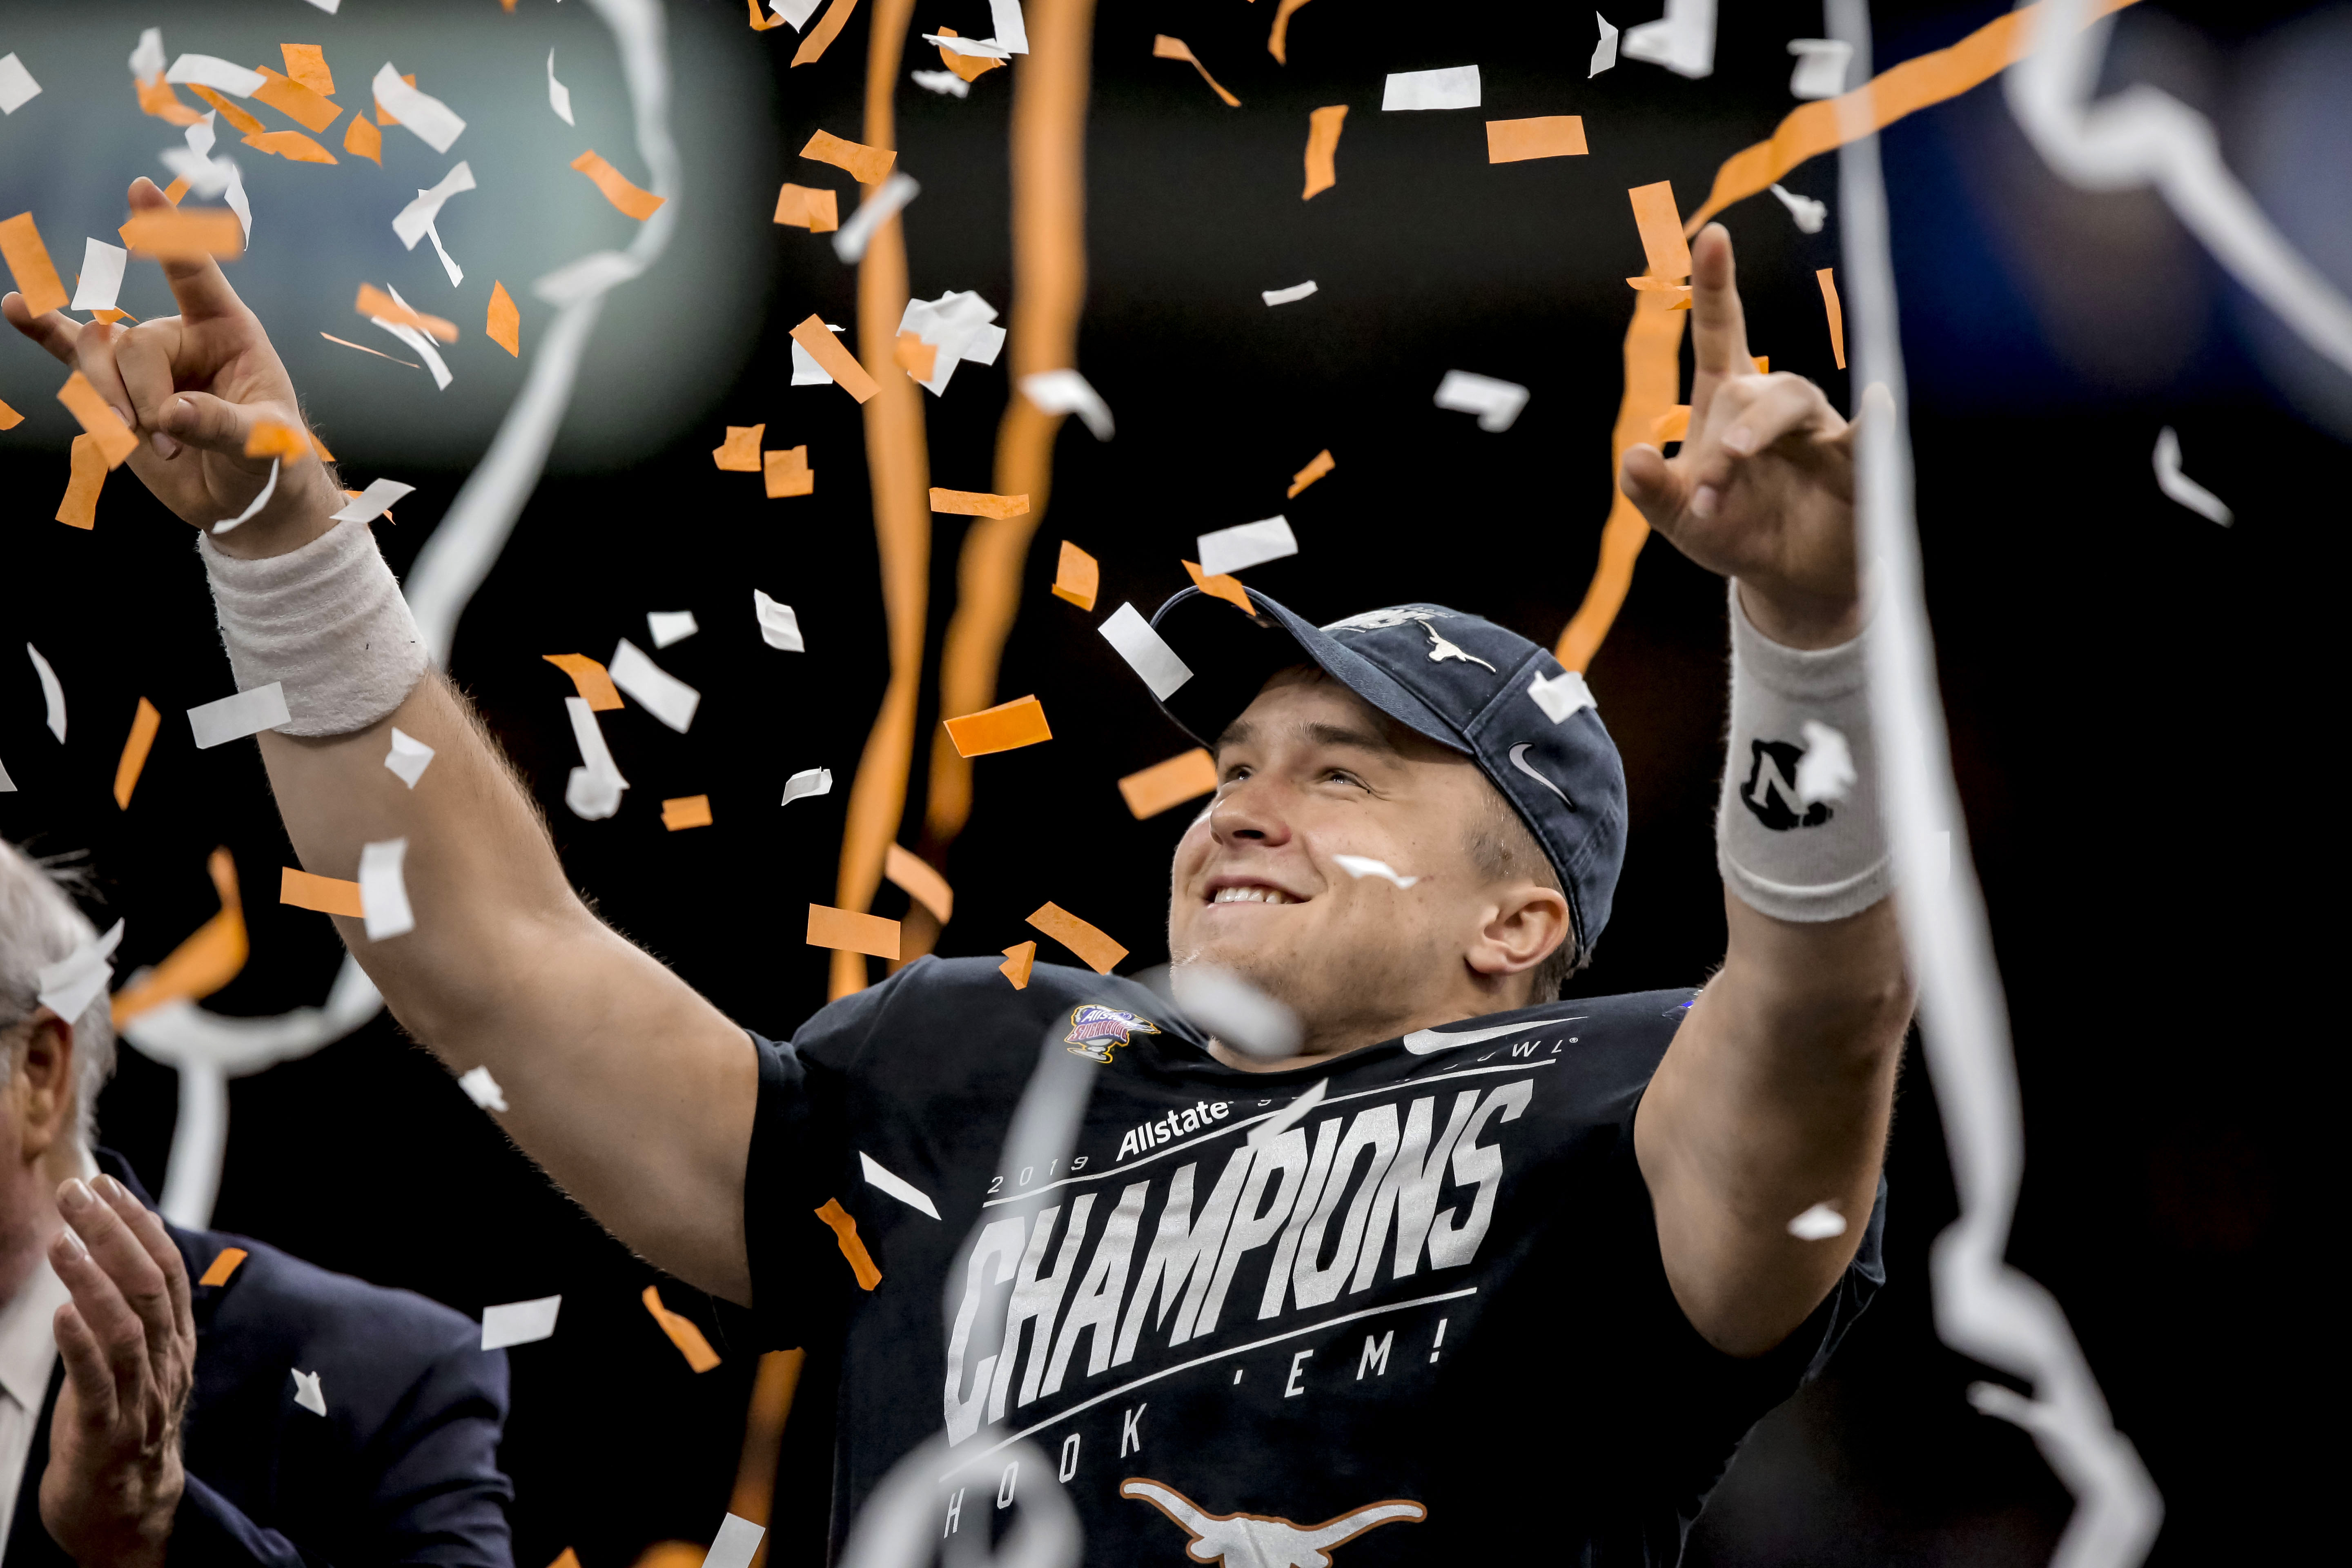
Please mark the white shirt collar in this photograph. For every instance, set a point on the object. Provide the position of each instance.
(28, 1346)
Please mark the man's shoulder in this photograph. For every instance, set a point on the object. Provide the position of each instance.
(969, 1000)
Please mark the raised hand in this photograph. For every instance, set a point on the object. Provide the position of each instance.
(129, 1341)
(193, 386)
(1763, 487)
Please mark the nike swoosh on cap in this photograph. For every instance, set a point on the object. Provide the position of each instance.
(1421, 1042)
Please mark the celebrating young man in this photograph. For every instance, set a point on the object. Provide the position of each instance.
(1476, 1270)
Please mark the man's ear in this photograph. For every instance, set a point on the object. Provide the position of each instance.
(44, 1084)
(1528, 921)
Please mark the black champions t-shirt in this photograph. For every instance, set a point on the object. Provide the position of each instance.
(1426, 1323)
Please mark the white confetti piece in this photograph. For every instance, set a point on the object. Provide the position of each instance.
(1289, 1116)
(1233, 1010)
(383, 892)
(659, 692)
(1826, 770)
(417, 217)
(1454, 87)
(1067, 392)
(797, 12)
(1012, 28)
(1809, 214)
(482, 1089)
(1245, 545)
(53, 693)
(436, 124)
(559, 97)
(147, 59)
(233, 717)
(18, 87)
(1683, 40)
(959, 327)
(2180, 487)
(1146, 651)
(519, 1323)
(1604, 53)
(70, 985)
(416, 340)
(102, 276)
(269, 489)
(670, 626)
(408, 758)
(1820, 66)
(738, 1541)
(971, 48)
(308, 1393)
(850, 240)
(945, 82)
(1560, 695)
(1495, 402)
(372, 501)
(881, 1178)
(212, 71)
(1818, 1223)
(1291, 294)
(1362, 866)
(806, 784)
(594, 790)
(779, 628)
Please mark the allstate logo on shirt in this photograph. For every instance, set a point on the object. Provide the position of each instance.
(1095, 1031)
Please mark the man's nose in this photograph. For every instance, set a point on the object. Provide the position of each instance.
(1252, 810)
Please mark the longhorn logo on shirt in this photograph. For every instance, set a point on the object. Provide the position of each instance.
(1260, 1541)
(1095, 1031)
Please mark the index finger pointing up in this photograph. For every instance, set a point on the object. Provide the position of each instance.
(1718, 327)
(197, 285)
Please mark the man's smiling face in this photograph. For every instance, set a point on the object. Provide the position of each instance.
(1310, 772)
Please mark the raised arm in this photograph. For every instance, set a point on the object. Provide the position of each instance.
(1777, 1092)
(629, 1089)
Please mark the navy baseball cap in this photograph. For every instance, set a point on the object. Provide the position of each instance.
(1459, 679)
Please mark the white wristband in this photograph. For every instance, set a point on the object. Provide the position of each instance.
(1797, 835)
(326, 621)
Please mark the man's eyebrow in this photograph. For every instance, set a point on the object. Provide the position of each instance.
(1360, 739)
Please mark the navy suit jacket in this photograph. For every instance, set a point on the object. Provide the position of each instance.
(402, 1469)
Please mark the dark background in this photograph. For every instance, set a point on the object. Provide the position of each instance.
(2131, 688)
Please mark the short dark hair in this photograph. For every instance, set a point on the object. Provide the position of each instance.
(1502, 847)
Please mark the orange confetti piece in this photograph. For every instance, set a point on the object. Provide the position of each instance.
(1095, 950)
(1077, 576)
(213, 956)
(850, 932)
(1678, 294)
(306, 64)
(292, 145)
(115, 441)
(799, 207)
(786, 473)
(328, 895)
(759, 24)
(378, 353)
(1164, 47)
(1322, 148)
(245, 124)
(970, 67)
(683, 1331)
(175, 190)
(637, 204)
(1019, 960)
(321, 448)
(1163, 785)
(568, 1558)
(9, 417)
(221, 1267)
(920, 361)
(835, 360)
(29, 262)
(845, 1228)
(109, 317)
(268, 439)
(866, 166)
(1763, 365)
(503, 324)
(589, 678)
(1674, 425)
(1223, 586)
(85, 478)
(1661, 227)
(1006, 727)
(135, 747)
(156, 97)
(977, 503)
(1278, 42)
(686, 810)
(915, 877)
(363, 139)
(820, 39)
(296, 102)
(1827, 279)
(183, 234)
(1317, 467)
(373, 302)
(1547, 136)
(739, 453)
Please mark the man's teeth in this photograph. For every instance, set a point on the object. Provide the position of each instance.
(1252, 896)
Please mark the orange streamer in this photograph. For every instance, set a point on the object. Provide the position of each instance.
(213, 956)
